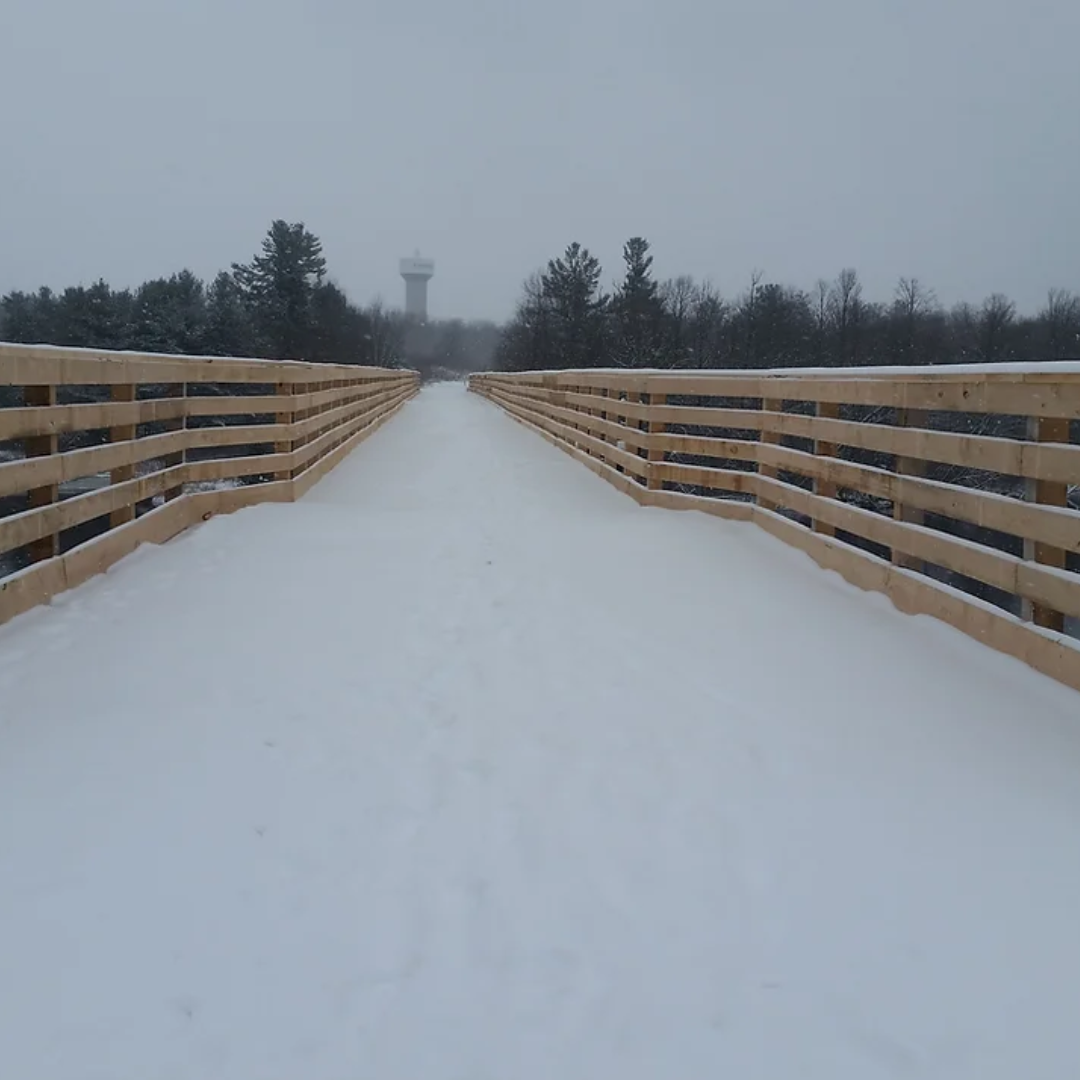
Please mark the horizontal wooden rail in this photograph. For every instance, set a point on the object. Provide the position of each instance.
(100, 452)
(948, 490)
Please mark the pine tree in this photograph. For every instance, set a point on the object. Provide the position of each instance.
(106, 316)
(21, 319)
(169, 315)
(228, 322)
(91, 318)
(638, 309)
(72, 318)
(340, 331)
(280, 287)
(577, 309)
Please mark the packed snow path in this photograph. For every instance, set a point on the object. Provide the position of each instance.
(468, 767)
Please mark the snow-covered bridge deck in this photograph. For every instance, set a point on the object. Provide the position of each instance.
(467, 766)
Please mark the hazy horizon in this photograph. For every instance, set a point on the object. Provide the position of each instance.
(932, 139)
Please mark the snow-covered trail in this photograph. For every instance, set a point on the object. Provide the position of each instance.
(468, 767)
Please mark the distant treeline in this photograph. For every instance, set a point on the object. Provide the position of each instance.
(565, 319)
(280, 305)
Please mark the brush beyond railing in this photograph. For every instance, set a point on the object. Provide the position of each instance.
(100, 452)
(948, 489)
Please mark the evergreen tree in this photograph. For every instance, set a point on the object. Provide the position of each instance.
(69, 317)
(23, 319)
(169, 315)
(228, 322)
(638, 310)
(340, 331)
(105, 316)
(280, 287)
(278, 305)
(576, 308)
(85, 318)
(783, 327)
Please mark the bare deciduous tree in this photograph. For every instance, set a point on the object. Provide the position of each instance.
(913, 305)
(995, 320)
(1060, 321)
(707, 324)
(845, 311)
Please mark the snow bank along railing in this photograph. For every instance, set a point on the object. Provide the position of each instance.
(100, 452)
(947, 489)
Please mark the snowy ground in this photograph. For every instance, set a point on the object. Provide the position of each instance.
(468, 767)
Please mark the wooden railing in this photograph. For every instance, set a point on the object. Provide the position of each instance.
(947, 489)
(100, 452)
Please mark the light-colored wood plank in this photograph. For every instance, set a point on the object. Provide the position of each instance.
(125, 434)
(989, 509)
(704, 476)
(771, 416)
(703, 446)
(1047, 493)
(1046, 393)
(63, 419)
(35, 365)
(608, 430)
(283, 419)
(47, 544)
(655, 454)
(909, 466)
(701, 416)
(827, 489)
(1011, 457)
(20, 476)
(178, 423)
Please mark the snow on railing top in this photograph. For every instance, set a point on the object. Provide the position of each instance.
(1034, 367)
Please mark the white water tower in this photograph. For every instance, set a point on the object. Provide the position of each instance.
(417, 272)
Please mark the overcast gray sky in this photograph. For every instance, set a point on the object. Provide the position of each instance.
(939, 138)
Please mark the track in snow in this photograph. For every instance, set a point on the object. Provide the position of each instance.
(466, 766)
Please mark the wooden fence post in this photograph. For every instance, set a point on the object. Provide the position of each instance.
(180, 457)
(574, 408)
(41, 446)
(623, 420)
(122, 473)
(908, 466)
(772, 438)
(299, 416)
(656, 427)
(1049, 493)
(284, 446)
(825, 410)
